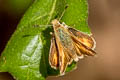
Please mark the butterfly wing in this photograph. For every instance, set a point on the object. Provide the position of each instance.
(84, 43)
(58, 57)
(53, 54)
(83, 38)
(65, 47)
(83, 49)
(63, 59)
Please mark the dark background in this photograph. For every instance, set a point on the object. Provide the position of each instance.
(104, 21)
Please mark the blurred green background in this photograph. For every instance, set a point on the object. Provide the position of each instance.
(104, 21)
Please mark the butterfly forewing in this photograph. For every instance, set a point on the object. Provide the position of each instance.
(63, 62)
(84, 44)
(86, 39)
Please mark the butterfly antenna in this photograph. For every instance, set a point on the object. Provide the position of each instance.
(42, 25)
(63, 12)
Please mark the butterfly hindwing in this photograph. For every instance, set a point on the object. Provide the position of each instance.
(53, 54)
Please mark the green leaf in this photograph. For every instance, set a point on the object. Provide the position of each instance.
(26, 54)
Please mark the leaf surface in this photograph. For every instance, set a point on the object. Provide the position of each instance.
(26, 54)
